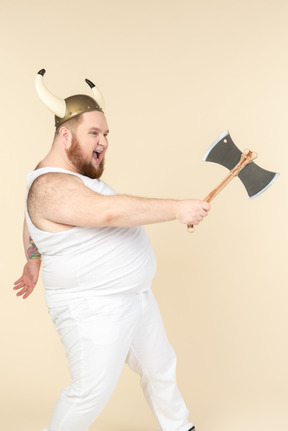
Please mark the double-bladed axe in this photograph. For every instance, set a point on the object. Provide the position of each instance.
(255, 179)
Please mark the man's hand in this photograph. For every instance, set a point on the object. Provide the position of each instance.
(192, 212)
(29, 278)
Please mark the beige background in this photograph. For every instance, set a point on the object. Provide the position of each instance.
(175, 75)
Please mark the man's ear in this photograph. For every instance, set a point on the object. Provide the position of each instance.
(66, 137)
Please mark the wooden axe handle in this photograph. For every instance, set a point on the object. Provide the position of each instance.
(246, 158)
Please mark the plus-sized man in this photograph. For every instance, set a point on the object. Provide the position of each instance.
(98, 266)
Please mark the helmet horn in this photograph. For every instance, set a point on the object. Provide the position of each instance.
(54, 103)
(97, 94)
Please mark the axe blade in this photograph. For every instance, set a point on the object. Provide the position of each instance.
(255, 179)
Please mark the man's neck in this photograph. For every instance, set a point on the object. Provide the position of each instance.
(53, 160)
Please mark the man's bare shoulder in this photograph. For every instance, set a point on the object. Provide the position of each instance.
(55, 180)
(49, 194)
(58, 201)
(53, 185)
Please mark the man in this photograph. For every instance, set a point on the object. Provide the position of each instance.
(98, 266)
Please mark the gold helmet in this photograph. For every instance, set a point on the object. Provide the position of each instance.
(65, 109)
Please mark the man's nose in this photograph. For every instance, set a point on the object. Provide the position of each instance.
(103, 141)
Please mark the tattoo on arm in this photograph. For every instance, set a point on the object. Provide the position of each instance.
(32, 251)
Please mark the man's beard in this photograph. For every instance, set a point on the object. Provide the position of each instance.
(75, 155)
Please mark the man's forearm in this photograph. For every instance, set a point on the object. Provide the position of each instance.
(31, 251)
(123, 210)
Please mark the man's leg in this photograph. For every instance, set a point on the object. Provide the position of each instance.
(153, 358)
(97, 334)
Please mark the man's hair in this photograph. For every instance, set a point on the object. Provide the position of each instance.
(70, 125)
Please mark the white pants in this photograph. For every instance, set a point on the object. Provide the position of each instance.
(99, 335)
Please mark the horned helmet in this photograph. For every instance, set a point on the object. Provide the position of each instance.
(65, 109)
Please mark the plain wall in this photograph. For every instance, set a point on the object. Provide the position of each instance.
(175, 75)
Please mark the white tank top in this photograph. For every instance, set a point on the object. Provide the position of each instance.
(92, 261)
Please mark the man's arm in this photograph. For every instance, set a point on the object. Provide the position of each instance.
(31, 269)
(64, 199)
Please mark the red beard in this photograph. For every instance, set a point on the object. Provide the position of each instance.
(87, 169)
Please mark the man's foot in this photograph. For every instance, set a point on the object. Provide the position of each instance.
(191, 429)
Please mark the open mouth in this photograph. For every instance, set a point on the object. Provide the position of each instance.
(96, 155)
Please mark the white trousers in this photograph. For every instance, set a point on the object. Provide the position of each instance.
(100, 334)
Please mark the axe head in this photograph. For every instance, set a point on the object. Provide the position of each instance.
(255, 179)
